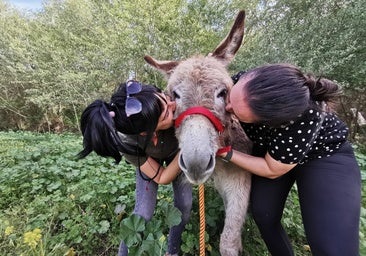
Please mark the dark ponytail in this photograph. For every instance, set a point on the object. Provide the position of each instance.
(100, 130)
(99, 133)
(322, 89)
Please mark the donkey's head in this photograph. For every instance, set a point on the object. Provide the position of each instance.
(200, 85)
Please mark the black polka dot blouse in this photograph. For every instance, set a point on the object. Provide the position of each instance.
(312, 135)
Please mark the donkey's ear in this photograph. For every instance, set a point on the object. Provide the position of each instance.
(230, 45)
(166, 67)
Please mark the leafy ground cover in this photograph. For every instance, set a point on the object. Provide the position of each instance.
(52, 204)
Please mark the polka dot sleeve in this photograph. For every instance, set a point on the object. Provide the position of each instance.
(290, 143)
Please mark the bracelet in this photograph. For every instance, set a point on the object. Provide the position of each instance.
(223, 150)
(228, 156)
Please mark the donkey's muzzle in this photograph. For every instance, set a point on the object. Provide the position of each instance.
(197, 170)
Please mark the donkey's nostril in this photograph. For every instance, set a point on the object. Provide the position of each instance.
(211, 163)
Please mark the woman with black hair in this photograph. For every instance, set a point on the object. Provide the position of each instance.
(297, 137)
(138, 125)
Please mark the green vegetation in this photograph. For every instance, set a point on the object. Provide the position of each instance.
(52, 204)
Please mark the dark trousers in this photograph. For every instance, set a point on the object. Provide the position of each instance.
(330, 198)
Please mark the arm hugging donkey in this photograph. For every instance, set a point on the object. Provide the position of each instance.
(200, 85)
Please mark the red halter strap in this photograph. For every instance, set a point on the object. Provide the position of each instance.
(200, 111)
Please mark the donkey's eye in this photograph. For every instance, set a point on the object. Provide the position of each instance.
(222, 94)
(175, 95)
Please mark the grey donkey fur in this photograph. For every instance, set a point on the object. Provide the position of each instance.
(205, 81)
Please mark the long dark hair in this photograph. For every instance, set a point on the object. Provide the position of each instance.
(100, 130)
(278, 93)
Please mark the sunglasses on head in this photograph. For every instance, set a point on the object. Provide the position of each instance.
(133, 105)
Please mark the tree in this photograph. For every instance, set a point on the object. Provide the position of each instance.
(73, 52)
(56, 61)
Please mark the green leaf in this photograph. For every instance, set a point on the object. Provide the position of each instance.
(173, 216)
(152, 246)
(131, 228)
(104, 227)
(53, 186)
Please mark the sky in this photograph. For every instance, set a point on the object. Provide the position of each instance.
(33, 5)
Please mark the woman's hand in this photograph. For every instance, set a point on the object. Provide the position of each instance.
(224, 151)
(166, 175)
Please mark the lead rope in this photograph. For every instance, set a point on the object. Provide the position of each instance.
(220, 128)
(201, 193)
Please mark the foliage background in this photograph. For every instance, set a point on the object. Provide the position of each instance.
(56, 61)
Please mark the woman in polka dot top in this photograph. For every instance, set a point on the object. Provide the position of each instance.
(297, 138)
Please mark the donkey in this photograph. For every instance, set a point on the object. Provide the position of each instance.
(199, 85)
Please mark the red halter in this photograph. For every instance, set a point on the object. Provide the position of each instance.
(200, 111)
(207, 113)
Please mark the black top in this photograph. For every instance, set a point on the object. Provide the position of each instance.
(163, 152)
(312, 135)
